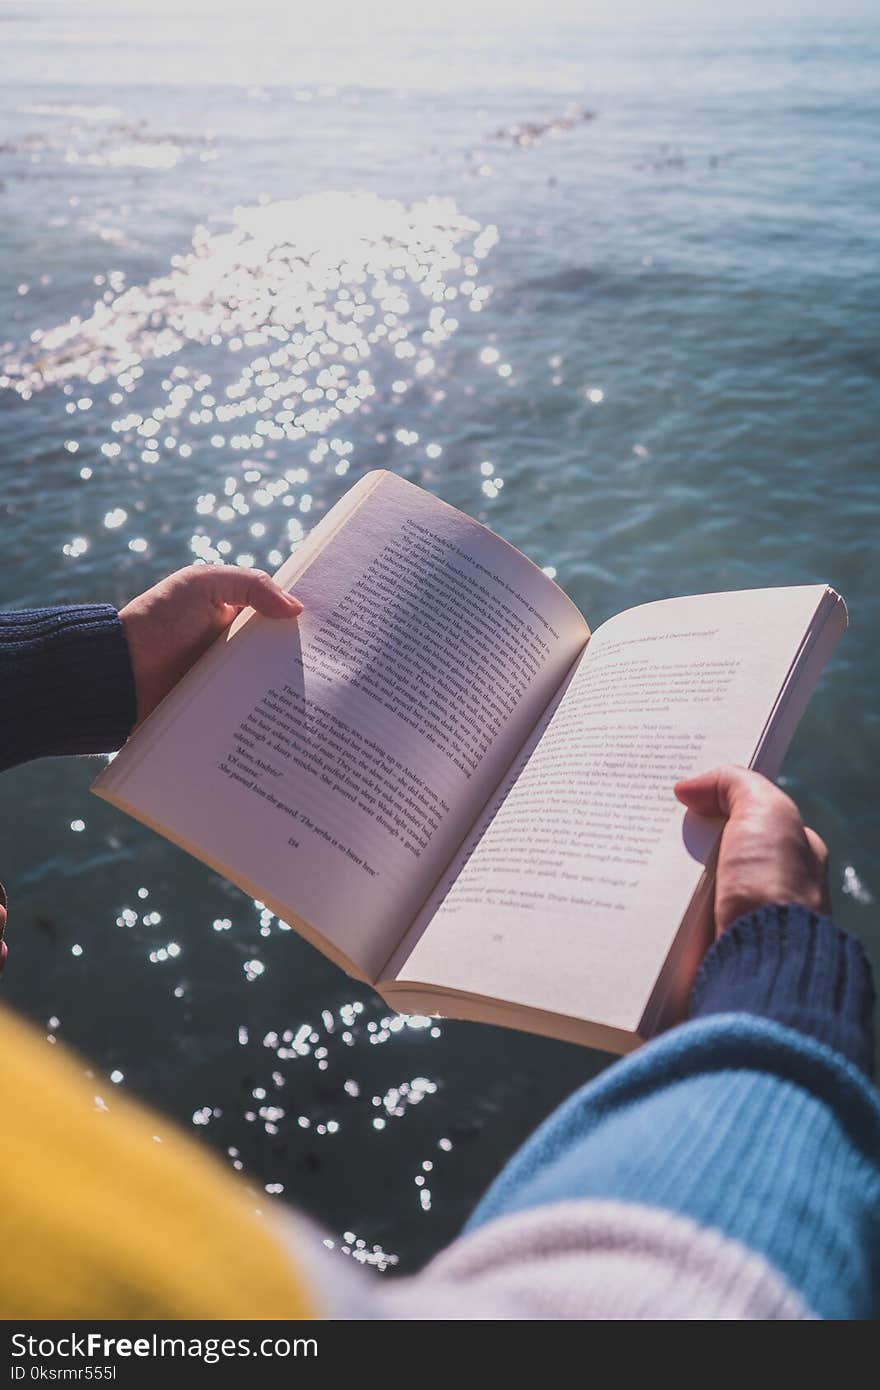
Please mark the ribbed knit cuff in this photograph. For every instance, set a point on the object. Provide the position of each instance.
(66, 682)
(795, 966)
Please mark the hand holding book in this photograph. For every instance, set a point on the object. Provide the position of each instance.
(174, 623)
(766, 854)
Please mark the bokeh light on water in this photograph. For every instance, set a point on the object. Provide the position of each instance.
(310, 311)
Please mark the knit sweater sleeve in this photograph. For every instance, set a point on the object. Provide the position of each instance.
(66, 682)
(786, 963)
(753, 1126)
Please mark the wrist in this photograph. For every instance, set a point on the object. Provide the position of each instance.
(66, 682)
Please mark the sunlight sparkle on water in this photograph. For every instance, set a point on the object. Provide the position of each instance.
(312, 309)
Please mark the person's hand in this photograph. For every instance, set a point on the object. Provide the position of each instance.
(767, 854)
(172, 624)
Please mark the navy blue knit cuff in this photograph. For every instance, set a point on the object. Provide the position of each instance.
(795, 966)
(66, 682)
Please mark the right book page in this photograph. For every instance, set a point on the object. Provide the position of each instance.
(569, 894)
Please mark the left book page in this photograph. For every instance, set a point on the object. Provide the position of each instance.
(332, 765)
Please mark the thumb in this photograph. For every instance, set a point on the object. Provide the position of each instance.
(269, 599)
(720, 791)
(243, 588)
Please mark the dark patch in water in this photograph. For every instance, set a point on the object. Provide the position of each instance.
(566, 281)
(530, 133)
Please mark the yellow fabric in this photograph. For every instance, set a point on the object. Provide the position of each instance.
(99, 1220)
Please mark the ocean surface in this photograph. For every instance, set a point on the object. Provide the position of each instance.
(608, 282)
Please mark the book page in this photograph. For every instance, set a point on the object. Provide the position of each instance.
(568, 895)
(336, 761)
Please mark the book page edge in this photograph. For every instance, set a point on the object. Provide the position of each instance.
(435, 1001)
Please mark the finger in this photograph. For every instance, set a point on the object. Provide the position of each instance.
(820, 851)
(817, 845)
(268, 598)
(242, 588)
(724, 790)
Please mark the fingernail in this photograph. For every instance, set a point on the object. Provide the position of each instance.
(294, 603)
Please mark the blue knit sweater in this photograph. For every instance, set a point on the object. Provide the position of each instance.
(755, 1122)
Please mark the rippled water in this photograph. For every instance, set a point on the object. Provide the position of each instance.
(610, 287)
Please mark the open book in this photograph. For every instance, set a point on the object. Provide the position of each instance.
(441, 779)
